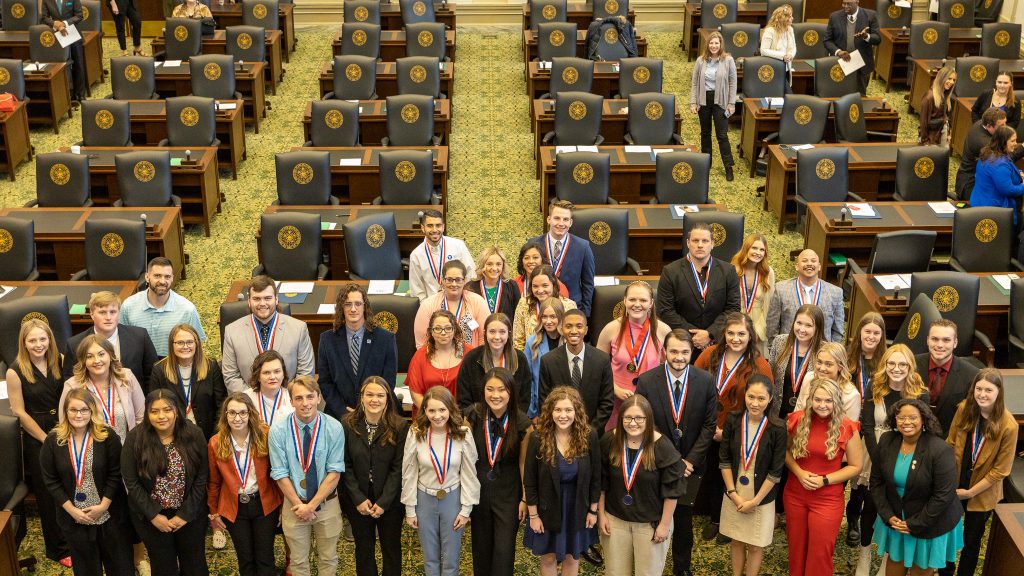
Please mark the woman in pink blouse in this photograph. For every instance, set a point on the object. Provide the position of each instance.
(437, 362)
(468, 307)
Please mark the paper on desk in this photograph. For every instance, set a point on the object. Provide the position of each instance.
(172, 63)
(605, 281)
(381, 287)
(545, 65)
(861, 210)
(68, 36)
(1003, 280)
(662, 150)
(564, 149)
(403, 394)
(5, 290)
(684, 209)
(856, 62)
(227, 105)
(328, 225)
(586, 149)
(942, 208)
(903, 3)
(894, 281)
(295, 287)
(775, 102)
(933, 6)
(350, 162)
(325, 309)
(638, 149)
(3, 389)
(801, 147)
(38, 67)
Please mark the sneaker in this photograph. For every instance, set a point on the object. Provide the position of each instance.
(220, 540)
(143, 568)
(65, 561)
(710, 531)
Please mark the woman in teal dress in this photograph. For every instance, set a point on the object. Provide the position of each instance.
(913, 483)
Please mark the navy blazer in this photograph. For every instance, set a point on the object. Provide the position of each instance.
(542, 484)
(835, 34)
(378, 356)
(679, 304)
(958, 387)
(577, 271)
(137, 352)
(698, 421)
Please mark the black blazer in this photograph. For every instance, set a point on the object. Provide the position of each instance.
(978, 138)
(59, 478)
(506, 490)
(984, 102)
(143, 508)
(52, 10)
(929, 503)
(383, 460)
(207, 394)
(698, 421)
(958, 387)
(835, 34)
(509, 296)
(867, 416)
(771, 452)
(470, 382)
(378, 356)
(597, 392)
(679, 304)
(543, 485)
(137, 351)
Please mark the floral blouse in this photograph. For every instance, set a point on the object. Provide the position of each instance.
(169, 490)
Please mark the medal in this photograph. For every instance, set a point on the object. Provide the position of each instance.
(497, 296)
(435, 270)
(636, 352)
(797, 368)
(792, 401)
(744, 480)
(800, 293)
(750, 443)
(244, 498)
(749, 293)
(261, 344)
(702, 287)
(722, 381)
(77, 454)
(493, 444)
(242, 470)
(80, 496)
(305, 459)
(440, 494)
(440, 469)
(977, 442)
(492, 475)
(627, 500)
(631, 367)
(629, 470)
(677, 434)
(273, 408)
(302, 484)
(108, 406)
(678, 403)
(556, 265)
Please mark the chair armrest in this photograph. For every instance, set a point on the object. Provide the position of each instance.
(20, 491)
(377, 201)
(436, 140)
(956, 265)
(33, 275)
(435, 199)
(80, 275)
(307, 143)
(321, 271)
(628, 138)
(599, 141)
(654, 201)
(988, 351)
(800, 200)
(258, 270)
(1016, 343)
(31, 203)
(635, 267)
(612, 200)
(677, 139)
(176, 200)
(548, 137)
(886, 135)
(119, 203)
(164, 142)
(328, 96)
(334, 201)
(1016, 264)
(405, 264)
(276, 202)
(854, 197)
(385, 141)
(353, 276)
(770, 138)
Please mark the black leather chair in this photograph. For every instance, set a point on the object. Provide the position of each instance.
(829, 79)
(62, 180)
(333, 123)
(682, 178)
(231, 311)
(414, 11)
(796, 5)
(901, 252)
(410, 121)
(714, 13)
(555, 39)
(570, 74)
(987, 12)
(92, 17)
(371, 245)
(213, 76)
(51, 309)
(13, 82)
(355, 78)
(983, 240)
(546, 11)
(763, 77)
(957, 13)
(426, 39)
(1016, 335)
(115, 249)
(742, 39)
(191, 121)
(247, 43)
(43, 46)
(304, 178)
(975, 75)
(419, 75)
(397, 314)
(183, 38)
(803, 121)
(810, 40)
(610, 9)
(577, 120)
(106, 123)
(291, 247)
(822, 175)
(367, 11)
(609, 48)
(652, 119)
(850, 123)
(13, 488)
(1000, 40)
(607, 230)
(955, 294)
(892, 16)
(928, 41)
(360, 39)
(262, 13)
(582, 177)
(19, 15)
(17, 250)
(407, 177)
(144, 179)
(726, 231)
(639, 75)
(605, 306)
(922, 173)
(133, 78)
(913, 331)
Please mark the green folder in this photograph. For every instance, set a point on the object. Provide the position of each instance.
(79, 309)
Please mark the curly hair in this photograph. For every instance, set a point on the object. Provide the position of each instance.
(338, 320)
(458, 339)
(914, 385)
(798, 440)
(579, 432)
(929, 423)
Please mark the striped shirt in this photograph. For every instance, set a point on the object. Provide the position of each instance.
(137, 311)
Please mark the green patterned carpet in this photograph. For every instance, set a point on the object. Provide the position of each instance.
(492, 199)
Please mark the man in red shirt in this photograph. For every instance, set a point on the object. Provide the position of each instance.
(948, 377)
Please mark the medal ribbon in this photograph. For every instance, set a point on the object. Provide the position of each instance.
(722, 381)
(800, 293)
(458, 309)
(636, 353)
(701, 287)
(797, 369)
(274, 407)
(305, 459)
(557, 266)
(262, 346)
(750, 444)
(243, 472)
(440, 470)
(493, 444)
(677, 403)
(109, 405)
(497, 296)
(435, 270)
(749, 293)
(977, 441)
(78, 458)
(187, 393)
(629, 469)
(863, 377)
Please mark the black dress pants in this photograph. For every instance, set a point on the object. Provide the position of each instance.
(252, 533)
(129, 12)
(98, 548)
(709, 114)
(495, 524)
(78, 87)
(367, 530)
(682, 539)
(175, 553)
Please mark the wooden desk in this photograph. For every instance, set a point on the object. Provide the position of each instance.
(387, 79)
(197, 185)
(361, 184)
(960, 124)
(231, 15)
(49, 95)
(249, 82)
(8, 551)
(1004, 553)
(392, 44)
(754, 12)
(77, 292)
(614, 120)
(14, 44)
(373, 120)
(759, 123)
(1013, 384)
(579, 13)
(538, 81)
(803, 76)
(631, 179)
(856, 243)
(60, 235)
(925, 70)
(891, 55)
(391, 15)
(872, 171)
(217, 43)
(15, 144)
(530, 45)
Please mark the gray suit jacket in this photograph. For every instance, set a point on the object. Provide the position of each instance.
(784, 303)
(292, 342)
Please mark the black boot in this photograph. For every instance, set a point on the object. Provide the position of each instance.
(728, 173)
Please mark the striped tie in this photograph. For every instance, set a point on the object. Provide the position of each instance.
(353, 353)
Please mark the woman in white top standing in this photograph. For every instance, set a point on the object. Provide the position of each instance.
(778, 40)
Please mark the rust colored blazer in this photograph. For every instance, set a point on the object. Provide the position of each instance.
(222, 487)
(732, 398)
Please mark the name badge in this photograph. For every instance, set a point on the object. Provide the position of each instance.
(472, 324)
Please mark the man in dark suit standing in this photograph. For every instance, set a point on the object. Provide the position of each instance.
(697, 291)
(854, 28)
(684, 400)
(133, 345)
(59, 14)
(978, 137)
(354, 350)
(570, 256)
(581, 366)
(949, 378)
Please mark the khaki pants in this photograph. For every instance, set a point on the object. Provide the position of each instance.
(326, 528)
(631, 549)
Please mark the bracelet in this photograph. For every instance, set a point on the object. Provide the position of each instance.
(728, 492)
(594, 512)
(532, 516)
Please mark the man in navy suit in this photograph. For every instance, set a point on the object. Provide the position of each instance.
(353, 351)
(854, 28)
(570, 256)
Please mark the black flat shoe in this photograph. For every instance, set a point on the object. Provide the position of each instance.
(853, 537)
(710, 531)
(728, 173)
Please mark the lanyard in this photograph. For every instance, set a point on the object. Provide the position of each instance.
(797, 369)
(435, 270)
(493, 444)
(977, 441)
(864, 379)
(750, 444)
(722, 381)
(273, 407)
(629, 469)
(497, 296)
(749, 293)
(458, 310)
(108, 406)
(243, 471)
(78, 458)
(800, 293)
(305, 459)
(557, 265)
(677, 403)
(187, 392)
(261, 345)
(701, 287)
(636, 353)
(440, 470)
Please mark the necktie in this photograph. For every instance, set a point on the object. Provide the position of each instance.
(558, 249)
(677, 389)
(577, 375)
(312, 482)
(353, 353)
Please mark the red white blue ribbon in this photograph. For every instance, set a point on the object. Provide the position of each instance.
(977, 442)
(435, 270)
(243, 471)
(493, 444)
(702, 287)
(273, 409)
(750, 444)
(629, 469)
(557, 264)
(749, 293)
(262, 346)
(678, 404)
(440, 468)
(109, 405)
(305, 459)
(497, 296)
(458, 309)
(78, 458)
(797, 368)
(636, 353)
(800, 293)
(723, 378)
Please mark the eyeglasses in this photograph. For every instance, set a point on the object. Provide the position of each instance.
(80, 411)
(907, 419)
(900, 365)
(352, 305)
(454, 280)
(442, 329)
(232, 415)
(185, 343)
(634, 419)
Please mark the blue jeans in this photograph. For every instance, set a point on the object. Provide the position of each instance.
(440, 543)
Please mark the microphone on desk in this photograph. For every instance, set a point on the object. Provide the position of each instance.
(143, 218)
(843, 214)
(444, 3)
(188, 155)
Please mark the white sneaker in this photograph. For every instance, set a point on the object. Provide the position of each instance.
(864, 561)
(220, 540)
(143, 569)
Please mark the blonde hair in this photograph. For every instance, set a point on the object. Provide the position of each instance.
(81, 373)
(939, 94)
(778, 19)
(485, 255)
(914, 385)
(97, 427)
(24, 362)
(539, 332)
(798, 441)
(170, 362)
(838, 354)
(102, 299)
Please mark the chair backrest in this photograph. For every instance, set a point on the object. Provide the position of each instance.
(13, 313)
(213, 76)
(414, 11)
(929, 40)
(360, 39)
(17, 249)
(13, 480)
(371, 245)
(682, 178)
(43, 45)
(577, 118)
(610, 8)
(913, 331)
(983, 238)
(1016, 318)
(714, 13)
(92, 17)
(810, 40)
(763, 77)
(822, 174)
(607, 229)
(849, 115)
(115, 249)
(652, 118)
(639, 75)
(290, 245)
(1000, 40)
(726, 231)
(144, 177)
(742, 39)
(804, 119)
(19, 15)
(133, 77)
(902, 252)
(582, 177)
(303, 177)
(62, 180)
(570, 74)
(975, 75)
(555, 39)
(957, 13)
(892, 16)
(419, 75)
(183, 38)
(262, 13)
(106, 123)
(334, 123)
(796, 5)
(191, 121)
(547, 11)
(987, 11)
(955, 295)
(12, 77)
(609, 46)
(829, 79)
(247, 43)
(367, 11)
(397, 314)
(355, 77)
(410, 120)
(406, 177)
(425, 39)
(922, 173)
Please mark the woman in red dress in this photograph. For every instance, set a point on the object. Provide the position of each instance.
(437, 363)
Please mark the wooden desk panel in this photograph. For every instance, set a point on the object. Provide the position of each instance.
(891, 55)
(217, 44)
(391, 15)
(392, 44)
(149, 127)
(230, 14)
(606, 80)
(15, 143)
(961, 124)
(387, 79)
(925, 71)
(49, 95)
(614, 121)
(77, 292)
(361, 184)
(530, 44)
(14, 44)
(177, 81)
(373, 120)
(579, 13)
(1004, 553)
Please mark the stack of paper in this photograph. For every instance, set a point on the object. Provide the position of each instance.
(894, 281)
(638, 149)
(564, 149)
(861, 210)
(381, 287)
(682, 210)
(943, 209)
(1004, 280)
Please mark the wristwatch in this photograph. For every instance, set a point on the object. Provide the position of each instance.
(824, 480)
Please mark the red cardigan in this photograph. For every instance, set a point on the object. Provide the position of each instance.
(732, 398)
(223, 475)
